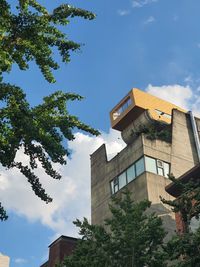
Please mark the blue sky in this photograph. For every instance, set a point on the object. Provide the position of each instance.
(153, 45)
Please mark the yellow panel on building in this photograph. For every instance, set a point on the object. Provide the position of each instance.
(135, 103)
(4, 260)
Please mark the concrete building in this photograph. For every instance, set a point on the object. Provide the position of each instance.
(161, 138)
(4, 260)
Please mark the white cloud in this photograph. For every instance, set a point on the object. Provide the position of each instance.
(20, 261)
(177, 94)
(188, 79)
(196, 104)
(3, 183)
(123, 12)
(71, 195)
(149, 20)
(182, 96)
(141, 3)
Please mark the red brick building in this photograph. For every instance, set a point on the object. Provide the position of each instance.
(59, 249)
(174, 191)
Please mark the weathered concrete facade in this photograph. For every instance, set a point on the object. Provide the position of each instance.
(180, 153)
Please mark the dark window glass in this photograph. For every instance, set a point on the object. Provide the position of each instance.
(122, 180)
(116, 184)
(139, 165)
(116, 188)
(130, 173)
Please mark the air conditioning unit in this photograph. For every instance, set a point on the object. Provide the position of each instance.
(160, 163)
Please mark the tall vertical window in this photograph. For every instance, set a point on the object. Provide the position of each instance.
(166, 169)
(160, 166)
(116, 184)
(122, 180)
(130, 173)
(150, 164)
(112, 187)
(139, 165)
(160, 171)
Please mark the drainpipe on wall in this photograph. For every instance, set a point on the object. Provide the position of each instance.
(195, 132)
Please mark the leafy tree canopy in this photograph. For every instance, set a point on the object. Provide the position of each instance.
(29, 32)
(183, 248)
(131, 238)
(188, 203)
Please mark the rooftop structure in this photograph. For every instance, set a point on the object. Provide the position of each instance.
(160, 139)
(135, 103)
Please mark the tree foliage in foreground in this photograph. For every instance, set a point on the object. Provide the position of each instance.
(131, 238)
(184, 247)
(29, 32)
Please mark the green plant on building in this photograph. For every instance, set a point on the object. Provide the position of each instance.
(157, 130)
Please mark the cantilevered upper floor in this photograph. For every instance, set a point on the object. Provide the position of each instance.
(135, 103)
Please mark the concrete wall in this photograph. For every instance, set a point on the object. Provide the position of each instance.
(181, 153)
(103, 171)
(128, 133)
(157, 149)
(156, 188)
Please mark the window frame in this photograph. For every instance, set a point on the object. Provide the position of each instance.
(115, 180)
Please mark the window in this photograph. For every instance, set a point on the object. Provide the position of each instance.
(150, 164)
(122, 180)
(116, 114)
(157, 166)
(122, 108)
(139, 165)
(166, 169)
(161, 113)
(145, 163)
(167, 116)
(160, 166)
(116, 184)
(130, 173)
(160, 171)
(112, 187)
